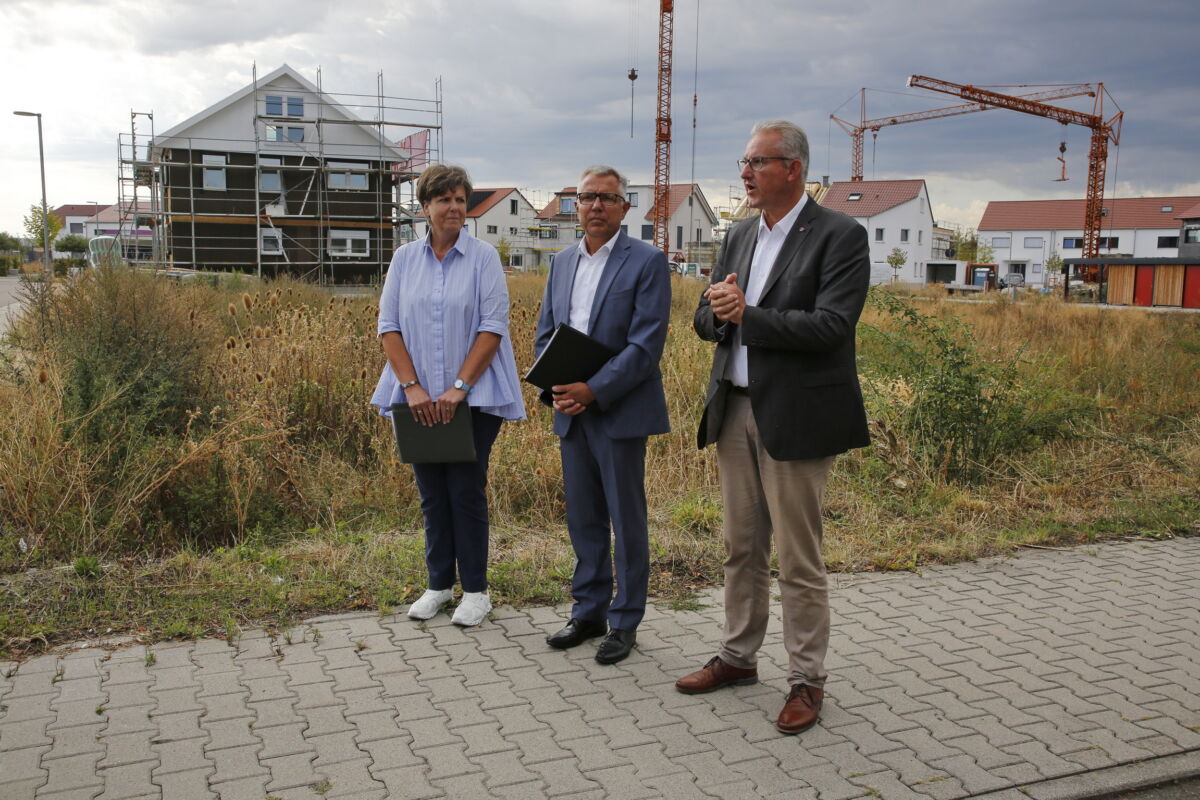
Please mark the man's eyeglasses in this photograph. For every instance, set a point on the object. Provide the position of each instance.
(606, 199)
(758, 162)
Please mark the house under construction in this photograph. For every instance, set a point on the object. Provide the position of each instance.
(282, 177)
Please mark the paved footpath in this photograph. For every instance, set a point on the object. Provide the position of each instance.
(1050, 675)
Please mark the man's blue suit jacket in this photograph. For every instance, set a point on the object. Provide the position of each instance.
(630, 314)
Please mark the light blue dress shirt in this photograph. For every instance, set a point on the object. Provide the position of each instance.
(439, 307)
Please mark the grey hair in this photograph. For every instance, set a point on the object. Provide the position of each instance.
(791, 138)
(602, 171)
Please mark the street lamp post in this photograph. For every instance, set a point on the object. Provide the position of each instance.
(45, 210)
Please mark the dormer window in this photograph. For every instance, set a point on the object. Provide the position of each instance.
(566, 205)
(1167, 209)
(855, 196)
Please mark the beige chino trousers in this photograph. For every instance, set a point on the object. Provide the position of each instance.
(765, 498)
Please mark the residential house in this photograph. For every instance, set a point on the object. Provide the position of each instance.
(1189, 233)
(74, 216)
(1023, 234)
(129, 225)
(279, 177)
(896, 214)
(501, 214)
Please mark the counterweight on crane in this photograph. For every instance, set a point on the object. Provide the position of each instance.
(856, 131)
(1103, 131)
(662, 129)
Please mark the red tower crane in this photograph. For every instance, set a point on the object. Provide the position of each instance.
(856, 131)
(662, 129)
(1103, 131)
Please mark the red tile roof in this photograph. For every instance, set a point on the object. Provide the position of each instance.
(1191, 213)
(678, 193)
(1055, 215)
(78, 210)
(486, 200)
(875, 197)
(551, 210)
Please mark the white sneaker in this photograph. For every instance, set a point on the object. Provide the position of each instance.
(472, 610)
(430, 604)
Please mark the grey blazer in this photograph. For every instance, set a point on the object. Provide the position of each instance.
(804, 387)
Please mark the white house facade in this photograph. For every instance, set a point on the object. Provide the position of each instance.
(896, 214)
(1023, 234)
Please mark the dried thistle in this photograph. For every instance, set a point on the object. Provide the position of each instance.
(247, 300)
(43, 376)
(230, 343)
(232, 310)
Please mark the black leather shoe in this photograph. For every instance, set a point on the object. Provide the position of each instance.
(616, 646)
(576, 631)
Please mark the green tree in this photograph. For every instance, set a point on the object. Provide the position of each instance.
(9, 242)
(1054, 265)
(968, 247)
(896, 260)
(71, 243)
(36, 222)
(504, 248)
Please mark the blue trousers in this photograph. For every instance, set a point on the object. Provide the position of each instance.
(605, 485)
(454, 503)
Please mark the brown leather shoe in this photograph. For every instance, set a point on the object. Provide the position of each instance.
(802, 709)
(716, 673)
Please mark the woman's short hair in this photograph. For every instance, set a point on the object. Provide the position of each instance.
(791, 138)
(440, 179)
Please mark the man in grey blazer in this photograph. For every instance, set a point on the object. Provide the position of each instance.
(617, 290)
(783, 400)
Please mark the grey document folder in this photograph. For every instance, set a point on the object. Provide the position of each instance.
(569, 356)
(433, 444)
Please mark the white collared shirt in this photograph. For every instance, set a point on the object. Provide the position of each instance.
(587, 278)
(770, 242)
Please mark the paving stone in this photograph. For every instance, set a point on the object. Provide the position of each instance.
(236, 764)
(236, 732)
(184, 755)
(972, 776)
(79, 740)
(291, 772)
(563, 778)
(70, 773)
(394, 753)
(505, 769)
(185, 785)
(445, 761)
(334, 748)
(127, 781)
(253, 788)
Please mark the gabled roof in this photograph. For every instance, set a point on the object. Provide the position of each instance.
(389, 150)
(873, 197)
(78, 210)
(482, 201)
(551, 210)
(680, 192)
(1191, 213)
(1054, 215)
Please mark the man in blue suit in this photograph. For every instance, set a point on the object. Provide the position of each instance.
(617, 290)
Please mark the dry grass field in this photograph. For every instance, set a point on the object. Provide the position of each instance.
(183, 458)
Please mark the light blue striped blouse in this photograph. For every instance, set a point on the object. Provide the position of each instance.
(440, 307)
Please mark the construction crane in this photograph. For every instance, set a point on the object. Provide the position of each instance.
(856, 131)
(1103, 131)
(662, 129)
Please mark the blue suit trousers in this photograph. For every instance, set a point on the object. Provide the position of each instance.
(604, 480)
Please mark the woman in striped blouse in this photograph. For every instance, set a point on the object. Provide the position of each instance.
(443, 324)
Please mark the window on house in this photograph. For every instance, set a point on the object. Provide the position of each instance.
(295, 106)
(1110, 242)
(1168, 241)
(855, 196)
(1001, 241)
(1073, 243)
(492, 229)
(904, 234)
(689, 201)
(270, 242)
(647, 232)
(879, 234)
(274, 106)
(920, 235)
(295, 134)
(268, 179)
(632, 197)
(566, 205)
(512, 208)
(512, 231)
(349, 242)
(76, 228)
(347, 175)
(214, 172)
(545, 233)
(579, 233)
(516, 260)
(625, 229)
(678, 237)
(1034, 242)
(1167, 209)
(1191, 234)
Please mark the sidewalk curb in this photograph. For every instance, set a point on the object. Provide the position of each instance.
(1105, 783)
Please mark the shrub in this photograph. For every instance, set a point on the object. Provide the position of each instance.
(9, 263)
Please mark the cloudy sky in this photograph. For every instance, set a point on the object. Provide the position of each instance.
(534, 90)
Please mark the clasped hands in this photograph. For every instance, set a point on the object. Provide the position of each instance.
(727, 300)
(572, 398)
(429, 412)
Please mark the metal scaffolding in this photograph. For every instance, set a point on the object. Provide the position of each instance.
(301, 196)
